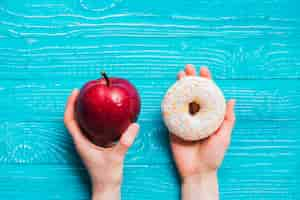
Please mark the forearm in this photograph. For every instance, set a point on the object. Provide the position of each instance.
(113, 193)
(200, 187)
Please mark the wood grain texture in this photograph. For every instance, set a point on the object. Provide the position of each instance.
(49, 47)
(238, 40)
(45, 100)
(133, 18)
(140, 182)
(253, 58)
(274, 144)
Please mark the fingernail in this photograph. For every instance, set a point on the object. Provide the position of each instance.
(74, 90)
(127, 139)
(135, 125)
(189, 65)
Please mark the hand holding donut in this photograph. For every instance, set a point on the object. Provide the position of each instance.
(198, 161)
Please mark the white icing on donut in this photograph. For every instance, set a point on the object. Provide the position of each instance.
(175, 108)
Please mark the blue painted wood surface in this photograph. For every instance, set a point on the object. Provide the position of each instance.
(49, 47)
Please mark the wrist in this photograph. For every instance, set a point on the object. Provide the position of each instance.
(103, 192)
(196, 179)
(200, 186)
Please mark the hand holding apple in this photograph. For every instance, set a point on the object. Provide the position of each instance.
(105, 108)
(105, 165)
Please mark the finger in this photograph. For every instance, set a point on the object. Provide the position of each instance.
(181, 75)
(81, 142)
(230, 115)
(225, 129)
(205, 73)
(190, 70)
(127, 139)
(69, 118)
(69, 110)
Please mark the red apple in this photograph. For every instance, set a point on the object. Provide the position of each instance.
(105, 108)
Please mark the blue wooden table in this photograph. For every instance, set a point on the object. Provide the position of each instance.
(49, 47)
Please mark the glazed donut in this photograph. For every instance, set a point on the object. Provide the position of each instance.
(193, 108)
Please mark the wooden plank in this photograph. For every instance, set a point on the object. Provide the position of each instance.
(134, 18)
(149, 58)
(254, 143)
(140, 182)
(44, 100)
(148, 42)
(70, 40)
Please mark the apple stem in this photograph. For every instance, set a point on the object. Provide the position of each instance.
(106, 78)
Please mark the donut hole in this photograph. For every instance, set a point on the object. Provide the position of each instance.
(194, 108)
